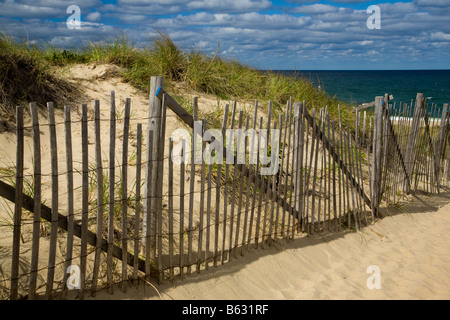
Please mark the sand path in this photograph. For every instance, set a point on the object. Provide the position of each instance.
(411, 249)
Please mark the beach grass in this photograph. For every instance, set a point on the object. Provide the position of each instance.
(228, 79)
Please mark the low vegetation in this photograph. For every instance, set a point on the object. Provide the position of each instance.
(27, 73)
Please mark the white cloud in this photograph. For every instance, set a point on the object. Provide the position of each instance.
(11, 9)
(230, 5)
(317, 8)
(440, 36)
(246, 20)
(351, 1)
(93, 16)
(58, 3)
(432, 3)
(147, 2)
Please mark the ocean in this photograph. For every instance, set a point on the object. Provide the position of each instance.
(357, 87)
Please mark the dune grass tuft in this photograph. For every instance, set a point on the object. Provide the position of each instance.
(26, 76)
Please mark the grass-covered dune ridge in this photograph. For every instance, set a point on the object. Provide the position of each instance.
(210, 74)
(25, 76)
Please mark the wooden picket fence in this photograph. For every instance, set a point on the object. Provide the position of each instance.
(186, 213)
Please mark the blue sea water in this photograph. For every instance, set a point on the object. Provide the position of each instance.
(357, 87)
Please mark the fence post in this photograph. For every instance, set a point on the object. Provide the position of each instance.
(298, 159)
(377, 139)
(411, 142)
(151, 187)
(385, 139)
(160, 184)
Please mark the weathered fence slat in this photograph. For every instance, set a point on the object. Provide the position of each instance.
(37, 202)
(293, 176)
(412, 137)
(287, 147)
(369, 168)
(54, 222)
(111, 194)
(229, 143)
(301, 178)
(337, 207)
(170, 204)
(70, 198)
(358, 168)
(332, 170)
(316, 158)
(159, 181)
(306, 176)
(280, 173)
(267, 195)
(18, 199)
(247, 197)
(439, 144)
(208, 211)
(273, 198)
(241, 184)
(352, 172)
(200, 256)
(342, 179)
(233, 192)
(148, 199)
(126, 132)
(99, 172)
(218, 184)
(85, 199)
(137, 213)
(192, 187)
(181, 231)
(261, 189)
(254, 148)
(376, 167)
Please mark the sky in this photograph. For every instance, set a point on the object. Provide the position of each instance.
(266, 34)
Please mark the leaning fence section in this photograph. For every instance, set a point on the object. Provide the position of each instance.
(139, 204)
(410, 151)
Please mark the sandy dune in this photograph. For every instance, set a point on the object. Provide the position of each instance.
(411, 248)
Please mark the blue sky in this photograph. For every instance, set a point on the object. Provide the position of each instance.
(267, 34)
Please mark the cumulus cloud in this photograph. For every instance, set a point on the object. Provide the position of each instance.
(244, 20)
(440, 36)
(93, 16)
(432, 3)
(352, 1)
(230, 5)
(317, 8)
(12, 9)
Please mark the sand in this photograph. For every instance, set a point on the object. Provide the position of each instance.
(410, 247)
